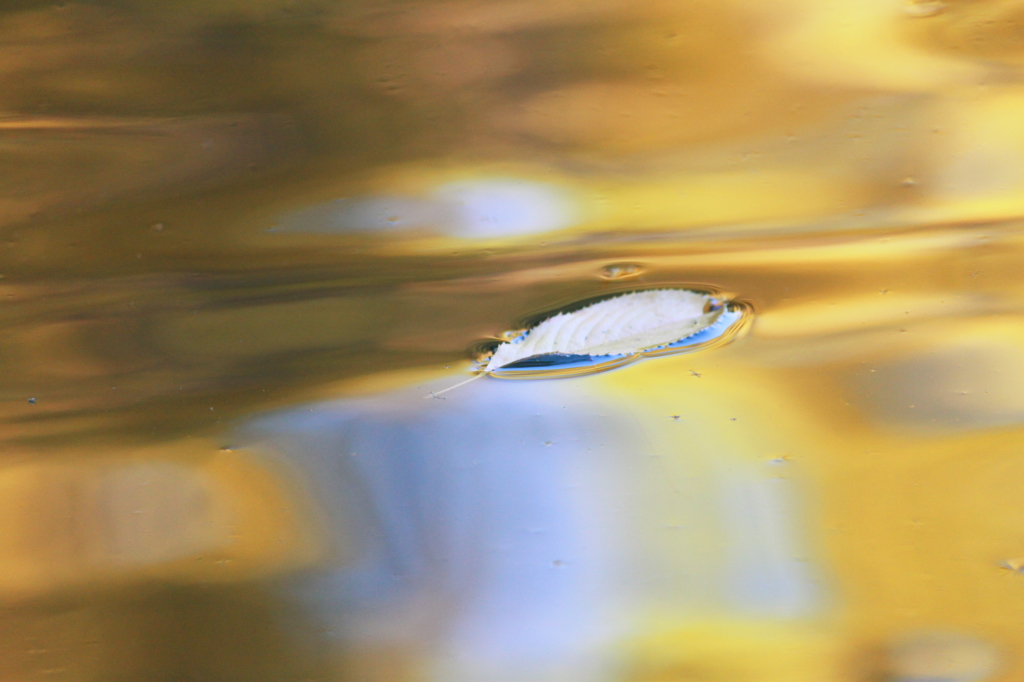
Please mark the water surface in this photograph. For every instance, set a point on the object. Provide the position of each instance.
(240, 241)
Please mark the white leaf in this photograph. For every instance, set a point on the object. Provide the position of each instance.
(625, 325)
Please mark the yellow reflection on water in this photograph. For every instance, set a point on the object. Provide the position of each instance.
(240, 241)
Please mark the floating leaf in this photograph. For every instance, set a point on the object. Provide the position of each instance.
(613, 332)
(624, 325)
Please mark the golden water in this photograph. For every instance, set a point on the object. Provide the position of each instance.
(241, 239)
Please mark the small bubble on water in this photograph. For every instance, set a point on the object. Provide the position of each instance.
(924, 8)
(615, 271)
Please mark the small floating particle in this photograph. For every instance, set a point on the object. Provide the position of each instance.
(511, 334)
(924, 8)
(622, 271)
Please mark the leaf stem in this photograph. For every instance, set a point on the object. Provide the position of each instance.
(434, 394)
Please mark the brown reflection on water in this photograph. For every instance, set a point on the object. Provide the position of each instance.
(219, 218)
(180, 513)
(162, 633)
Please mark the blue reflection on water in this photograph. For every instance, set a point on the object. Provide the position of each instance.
(485, 207)
(503, 529)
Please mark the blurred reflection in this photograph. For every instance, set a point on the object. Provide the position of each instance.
(56, 166)
(163, 633)
(223, 518)
(497, 531)
(153, 566)
(967, 379)
(486, 207)
(216, 207)
(941, 657)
